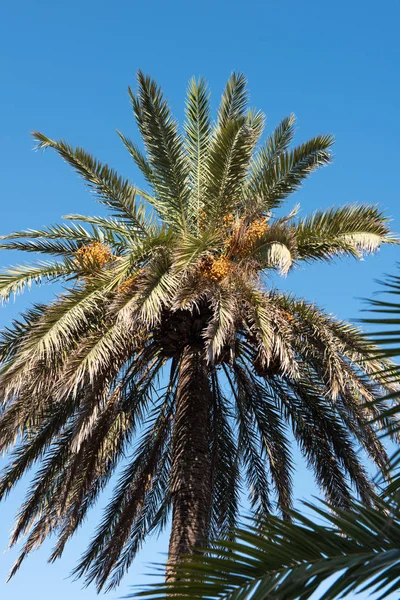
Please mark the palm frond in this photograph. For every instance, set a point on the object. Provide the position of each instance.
(270, 183)
(229, 158)
(67, 239)
(349, 230)
(110, 230)
(12, 337)
(164, 149)
(326, 444)
(73, 233)
(275, 248)
(140, 159)
(225, 460)
(274, 444)
(255, 468)
(191, 247)
(61, 248)
(279, 141)
(219, 333)
(126, 507)
(17, 278)
(197, 141)
(111, 189)
(234, 100)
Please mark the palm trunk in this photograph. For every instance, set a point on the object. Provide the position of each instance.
(191, 476)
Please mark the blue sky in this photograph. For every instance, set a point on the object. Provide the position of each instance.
(65, 70)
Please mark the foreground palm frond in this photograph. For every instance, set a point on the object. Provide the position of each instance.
(166, 351)
(385, 319)
(289, 561)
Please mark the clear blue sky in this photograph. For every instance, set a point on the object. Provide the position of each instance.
(65, 70)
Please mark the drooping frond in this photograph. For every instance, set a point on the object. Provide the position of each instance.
(325, 443)
(273, 441)
(84, 455)
(349, 230)
(125, 520)
(226, 465)
(254, 466)
(17, 278)
(12, 337)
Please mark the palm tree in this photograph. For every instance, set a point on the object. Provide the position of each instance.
(170, 355)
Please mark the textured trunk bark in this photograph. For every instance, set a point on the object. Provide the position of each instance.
(191, 476)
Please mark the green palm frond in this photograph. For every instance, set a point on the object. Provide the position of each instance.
(140, 159)
(385, 319)
(126, 514)
(230, 153)
(192, 247)
(288, 561)
(51, 486)
(386, 314)
(220, 328)
(67, 239)
(270, 182)
(279, 141)
(17, 278)
(249, 440)
(109, 229)
(57, 331)
(327, 445)
(62, 248)
(158, 284)
(234, 100)
(268, 421)
(197, 140)
(165, 151)
(94, 463)
(12, 336)
(351, 230)
(225, 458)
(112, 190)
(73, 233)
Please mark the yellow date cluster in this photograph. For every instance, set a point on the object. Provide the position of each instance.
(129, 285)
(215, 269)
(93, 257)
(239, 241)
